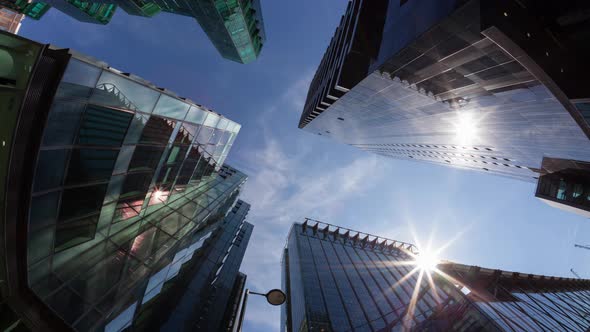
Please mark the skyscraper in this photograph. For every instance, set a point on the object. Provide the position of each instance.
(484, 85)
(10, 20)
(337, 279)
(113, 191)
(236, 28)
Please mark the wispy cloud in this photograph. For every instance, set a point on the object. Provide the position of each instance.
(287, 182)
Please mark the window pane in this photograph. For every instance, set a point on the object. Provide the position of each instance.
(81, 73)
(171, 107)
(63, 122)
(87, 165)
(50, 169)
(103, 126)
(136, 128)
(114, 90)
(186, 134)
(76, 232)
(123, 159)
(77, 202)
(204, 135)
(43, 210)
(146, 158)
(212, 120)
(40, 244)
(196, 115)
(157, 131)
(136, 185)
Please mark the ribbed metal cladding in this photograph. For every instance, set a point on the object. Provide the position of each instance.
(353, 47)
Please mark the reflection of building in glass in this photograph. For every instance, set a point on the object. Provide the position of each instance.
(10, 20)
(483, 84)
(113, 191)
(338, 279)
(235, 28)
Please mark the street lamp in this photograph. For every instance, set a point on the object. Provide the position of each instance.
(273, 296)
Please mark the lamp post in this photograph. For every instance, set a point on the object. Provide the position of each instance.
(274, 297)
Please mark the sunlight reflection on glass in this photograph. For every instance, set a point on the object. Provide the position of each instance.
(466, 130)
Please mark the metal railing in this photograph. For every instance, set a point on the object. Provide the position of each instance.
(364, 239)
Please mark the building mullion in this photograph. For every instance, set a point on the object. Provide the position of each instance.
(353, 275)
(305, 240)
(393, 277)
(343, 285)
(377, 291)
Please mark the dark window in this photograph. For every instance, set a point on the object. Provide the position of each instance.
(136, 185)
(43, 210)
(75, 232)
(146, 158)
(62, 124)
(50, 169)
(157, 131)
(77, 202)
(87, 165)
(103, 126)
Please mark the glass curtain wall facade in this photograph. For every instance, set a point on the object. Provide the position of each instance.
(480, 85)
(106, 177)
(235, 27)
(339, 279)
(10, 20)
(196, 289)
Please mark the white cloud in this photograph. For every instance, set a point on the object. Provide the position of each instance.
(288, 182)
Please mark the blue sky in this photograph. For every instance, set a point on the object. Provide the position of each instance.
(497, 222)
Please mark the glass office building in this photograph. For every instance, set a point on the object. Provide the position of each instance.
(235, 27)
(10, 20)
(106, 180)
(483, 85)
(338, 279)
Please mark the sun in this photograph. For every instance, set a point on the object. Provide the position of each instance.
(426, 261)
(466, 129)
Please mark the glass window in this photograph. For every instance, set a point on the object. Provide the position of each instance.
(77, 202)
(123, 159)
(157, 130)
(212, 120)
(62, 124)
(50, 169)
(186, 134)
(71, 91)
(43, 210)
(81, 73)
(222, 124)
(40, 244)
(146, 158)
(114, 90)
(88, 165)
(103, 126)
(204, 135)
(114, 189)
(216, 137)
(196, 115)
(136, 128)
(136, 185)
(67, 304)
(171, 107)
(72, 233)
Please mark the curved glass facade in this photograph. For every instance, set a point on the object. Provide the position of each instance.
(128, 177)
